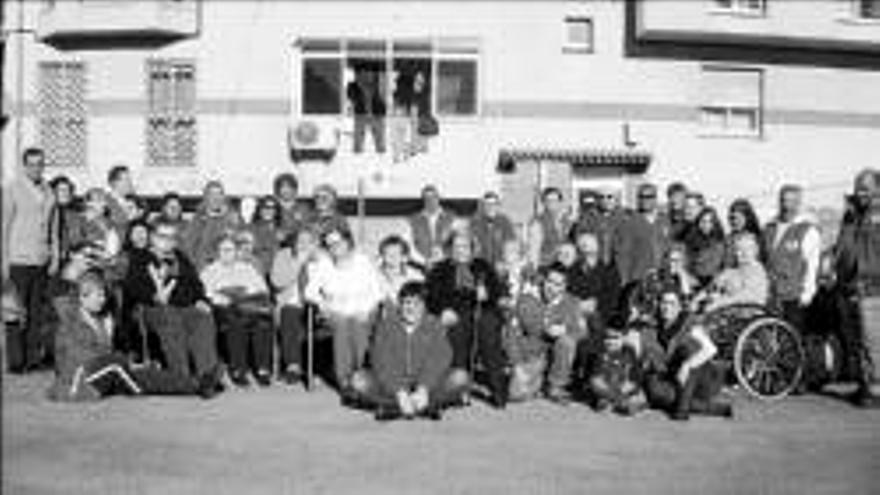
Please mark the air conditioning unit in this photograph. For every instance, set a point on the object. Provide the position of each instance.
(313, 138)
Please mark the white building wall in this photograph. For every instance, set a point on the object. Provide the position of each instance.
(822, 124)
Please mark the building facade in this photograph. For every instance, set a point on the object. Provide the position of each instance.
(734, 97)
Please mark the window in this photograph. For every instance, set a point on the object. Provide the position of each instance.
(867, 9)
(444, 70)
(61, 112)
(171, 119)
(731, 101)
(578, 35)
(753, 7)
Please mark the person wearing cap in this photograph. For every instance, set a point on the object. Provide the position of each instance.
(492, 228)
(793, 247)
(549, 229)
(325, 216)
(857, 266)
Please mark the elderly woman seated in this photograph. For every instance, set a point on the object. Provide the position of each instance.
(746, 282)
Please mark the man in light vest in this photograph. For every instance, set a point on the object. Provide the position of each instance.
(794, 247)
(549, 229)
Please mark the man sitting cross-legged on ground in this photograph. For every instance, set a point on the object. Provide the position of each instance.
(87, 366)
(411, 360)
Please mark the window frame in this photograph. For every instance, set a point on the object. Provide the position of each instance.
(172, 113)
(705, 131)
(739, 8)
(63, 119)
(570, 47)
(435, 54)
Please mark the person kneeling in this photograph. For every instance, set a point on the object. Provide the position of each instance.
(411, 372)
(87, 367)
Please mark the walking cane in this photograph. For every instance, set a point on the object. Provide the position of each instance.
(475, 341)
(310, 346)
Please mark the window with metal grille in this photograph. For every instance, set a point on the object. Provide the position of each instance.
(61, 112)
(171, 115)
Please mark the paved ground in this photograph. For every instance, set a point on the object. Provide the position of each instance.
(288, 441)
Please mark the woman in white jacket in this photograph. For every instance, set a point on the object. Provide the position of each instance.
(347, 291)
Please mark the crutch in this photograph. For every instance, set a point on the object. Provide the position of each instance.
(310, 346)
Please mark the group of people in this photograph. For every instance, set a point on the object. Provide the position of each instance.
(118, 299)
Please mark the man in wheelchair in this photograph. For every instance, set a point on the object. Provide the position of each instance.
(746, 282)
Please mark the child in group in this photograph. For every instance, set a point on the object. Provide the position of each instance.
(241, 301)
(87, 367)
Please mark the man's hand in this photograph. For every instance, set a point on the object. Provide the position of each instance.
(405, 403)
(556, 330)
(588, 305)
(420, 398)
(614, 342)
(203, 307)
(449, 318)
(164, 290)
(221, 299)
(684, 372)
(482, 293)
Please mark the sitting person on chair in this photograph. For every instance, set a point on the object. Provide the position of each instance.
(87, 368)
(747, 282)
(411, 372)
(242, 308)
(676, 357)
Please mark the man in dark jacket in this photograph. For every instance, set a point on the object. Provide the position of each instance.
(858, 276)
(411, 363)
(464, 291)
(595, 284)
(368, 106)
(167, 285)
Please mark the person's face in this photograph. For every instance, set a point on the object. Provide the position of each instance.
(647, 201)
(140, 237)
(789, 203)
(491, 206)
(677, 200)
(607, 201)
(92, 298)
(705, 224)
(63, 194)
(461, 249)
(864, 192)
(227, 251)
(287, 192)
(324, 201)
(306, 243)
(692, 208)
(172, 209)
(96, 202)
(214, 197)
(566, 254)
(336, 245)
(164, 239)
(124, 184)
(553, 203)
(34, 165)
(431, 200)
(737, 221)
(419, 82)
(554, 285)
(412, 309)
(670, 308)
(675, 261)
(245, 248)
(392, 256)
(268, 212)
(588, 248)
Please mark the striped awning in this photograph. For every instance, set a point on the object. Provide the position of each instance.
(634, 161)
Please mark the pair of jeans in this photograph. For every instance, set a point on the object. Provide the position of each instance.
(376, 125)
(184, 332)
(27, 344)
(868, 342)
(246, 333)
(696, 395)
(111, 374)
(351, 338)
(562, 355)
(291, 331)
(478, 336)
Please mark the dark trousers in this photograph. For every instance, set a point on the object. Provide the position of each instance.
(696, 395)
(291, 331)
(794, 313)
(246, 333)
(484, 331)
(26, 344)
(376, 125)
(184, 332)
(111, 375)
(441, 395)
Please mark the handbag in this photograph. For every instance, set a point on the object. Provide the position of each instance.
(428, 126)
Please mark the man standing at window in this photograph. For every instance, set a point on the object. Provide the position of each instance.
(369, 108)
(793, 247)
(27, 206)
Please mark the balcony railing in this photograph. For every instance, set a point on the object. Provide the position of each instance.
(108, 23)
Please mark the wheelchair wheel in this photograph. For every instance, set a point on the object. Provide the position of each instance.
(768, 358)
